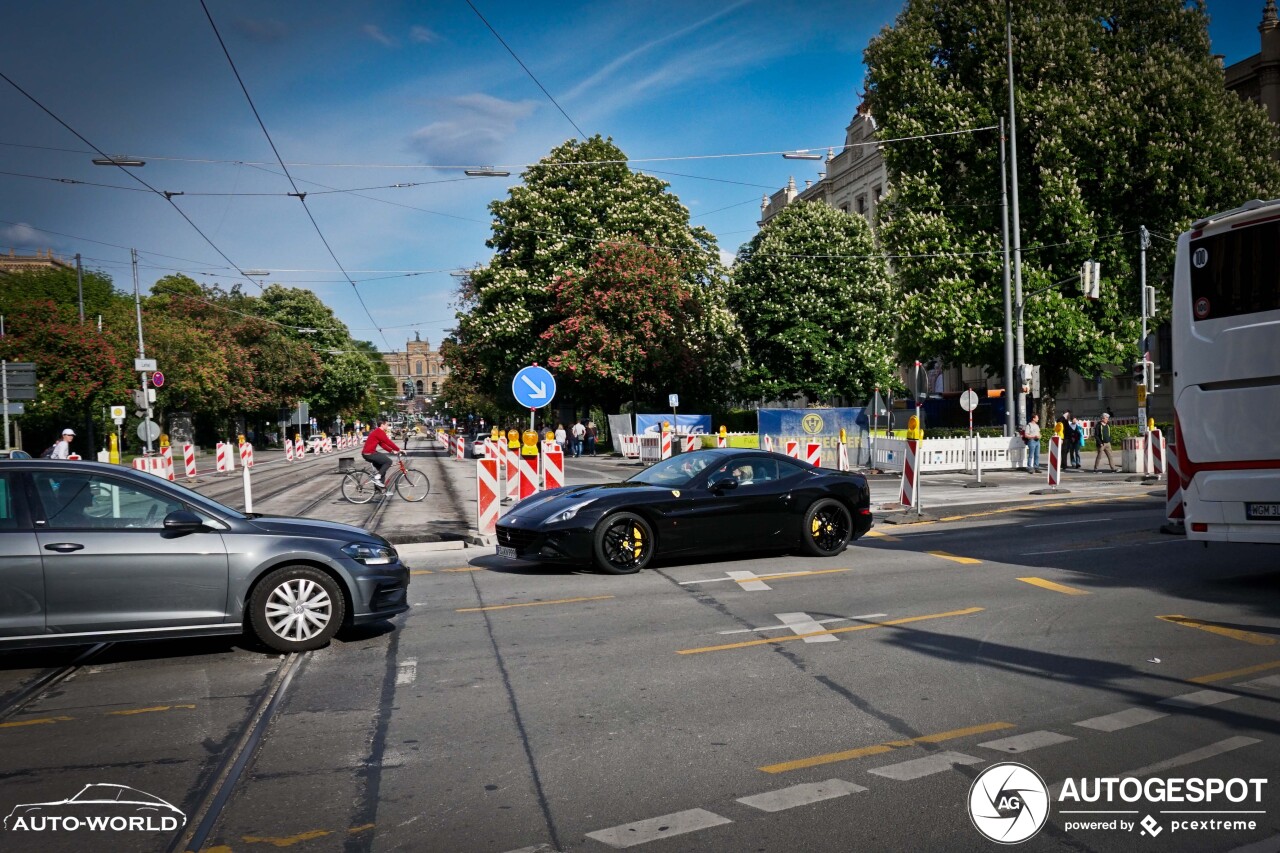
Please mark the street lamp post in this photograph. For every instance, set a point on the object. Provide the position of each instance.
(142, 354)
(1020, 355)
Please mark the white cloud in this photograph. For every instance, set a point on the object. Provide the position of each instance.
(473, 132)
(422, 35)
(22, 238)
(375, 32)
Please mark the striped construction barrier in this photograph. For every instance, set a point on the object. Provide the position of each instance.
(768, 443)
(1158, 453)
(299, 449)
(488, 498)
(288, 450)
(631, 446)
(553, 468)
(1055, 461)
(691, 443)
(246, 455)
(189, 460)
(150, 464)
(666, 444)
(226, 459)
(793, 449)
(813, 454)
(461, 446)
(528, 476)
(910, 494)
(1174, 509)
(515, 473)
(842, 456)
(166, 453)
(722, 441)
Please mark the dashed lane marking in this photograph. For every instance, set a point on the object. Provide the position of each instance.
(1055, 587)
(752, 582)
(1195, 755)
(1139, 544)
(1235, 673)
(801, 795)
(876, 534)
(130, 712)
(1221, 630)
(861, 618)
(772, 640)
(42, 721)
(532, 603)
(1125, 719)
(407, 671)
(1199, 699)
(918, 768)
(1026, 742)
(644, 831)
(806, 627)
(421, 572)
(879, 748)
(1262, 683)
(290, 840)
(968, 561)
(749, 581)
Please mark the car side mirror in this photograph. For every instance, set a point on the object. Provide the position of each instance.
(722, 484)
(182, 521)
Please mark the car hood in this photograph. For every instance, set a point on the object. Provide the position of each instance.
(313, 527)
(542, 506)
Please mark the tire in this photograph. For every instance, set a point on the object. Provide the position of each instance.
(826, 528)
(413, 485)
(623, 544)
(357, 487)
(296, 609)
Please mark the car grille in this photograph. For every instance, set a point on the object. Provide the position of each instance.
(511, 537)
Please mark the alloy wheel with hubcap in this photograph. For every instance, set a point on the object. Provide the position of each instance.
(296, 609)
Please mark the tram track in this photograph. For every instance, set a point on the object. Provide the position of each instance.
(13, 705)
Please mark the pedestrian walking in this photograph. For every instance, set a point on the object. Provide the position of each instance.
(1031, 435)
(579, 434)
(1075, 439)
(592, 435)
(62, 447)
(1102, 435)
(562, 437)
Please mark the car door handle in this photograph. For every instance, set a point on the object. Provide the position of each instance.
(64, 547)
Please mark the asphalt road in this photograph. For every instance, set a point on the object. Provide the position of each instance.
(837, 704)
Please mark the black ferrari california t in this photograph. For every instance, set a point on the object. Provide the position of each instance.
(707, 501)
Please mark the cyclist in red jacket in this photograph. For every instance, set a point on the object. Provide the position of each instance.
(378, 439)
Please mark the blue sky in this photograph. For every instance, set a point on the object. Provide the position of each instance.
(368, 94)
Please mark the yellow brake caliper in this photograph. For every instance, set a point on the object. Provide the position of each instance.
(636, 544)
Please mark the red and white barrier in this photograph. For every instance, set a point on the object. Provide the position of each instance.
(528, 477)
(722, 440)
(166, 453)
(813, 454)
(666, 444)
(515, 473)
(461, 449)
(150, 464)
(226, 458)
(246, 455)
(793, 449)
(910, 494)
(189, 460)
(288, 450)
(299, 449)
(631, 446)
(553, 468)
(690, 443)
(1174, 511)
(842, 456)
(768, 443)
(488, 496)
(1055, 461)
(1158, 453)
(490, 451)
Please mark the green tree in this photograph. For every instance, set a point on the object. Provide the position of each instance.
(59, 286)
(814, 297)
(1122, 121)
(579, 196)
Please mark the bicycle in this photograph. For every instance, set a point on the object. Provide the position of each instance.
(410, 483)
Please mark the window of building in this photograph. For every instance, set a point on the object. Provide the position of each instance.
(435, 387)
(418, 367)
(419, 386)
(862, 204)
(878, 193)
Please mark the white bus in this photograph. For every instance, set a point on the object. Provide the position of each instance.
(1226, 374)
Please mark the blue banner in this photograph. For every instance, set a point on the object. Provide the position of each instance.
(818, 425)
(681, 425)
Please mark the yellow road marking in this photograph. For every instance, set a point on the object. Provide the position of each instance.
(133, 711)
(789, 576)
(864, 627)
(1235, 673)
(42, 721)
(422, 572)
(531, 604)
(356, 830)
(1040, 506)
(888, 746)
(885, 536)
(968, 561)
(286, 841)
(1233, 633)
(1056, 587)
(466, 569)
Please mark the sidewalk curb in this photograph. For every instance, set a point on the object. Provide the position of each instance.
(414, 549)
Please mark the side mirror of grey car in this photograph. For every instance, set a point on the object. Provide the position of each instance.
(181, 521)
(721, 484)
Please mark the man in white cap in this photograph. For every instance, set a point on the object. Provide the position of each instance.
(62, 449)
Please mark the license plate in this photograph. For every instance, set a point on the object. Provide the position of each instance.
(1262, 512)
(504, 551)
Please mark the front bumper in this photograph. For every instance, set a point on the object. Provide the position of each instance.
(381, 594)
(562, 545)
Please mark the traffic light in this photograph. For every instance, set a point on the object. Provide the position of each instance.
(1030, 379)
(1091, 279)
(1149, 301)
(1144, 373)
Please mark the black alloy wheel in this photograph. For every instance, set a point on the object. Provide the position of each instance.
(624, 544)
(827, 528)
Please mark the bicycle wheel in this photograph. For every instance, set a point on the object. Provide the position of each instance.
(413, 485)
(357, 487)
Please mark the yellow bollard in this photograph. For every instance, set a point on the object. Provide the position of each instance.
(115, 449)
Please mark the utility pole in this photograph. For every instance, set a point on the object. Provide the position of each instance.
(80, 286)
(1020, 354)
(1144, 243)
(142, 350)
(1010, 425)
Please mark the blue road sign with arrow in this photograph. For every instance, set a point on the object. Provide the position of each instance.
(534, 387)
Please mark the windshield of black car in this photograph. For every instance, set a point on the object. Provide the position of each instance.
(675, 472)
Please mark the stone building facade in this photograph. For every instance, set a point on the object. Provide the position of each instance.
(419, 368)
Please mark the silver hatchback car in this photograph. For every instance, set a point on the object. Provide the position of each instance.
(92, 552)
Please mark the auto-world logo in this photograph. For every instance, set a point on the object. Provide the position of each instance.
(1009, 803)
(98, 808)
(811, 423)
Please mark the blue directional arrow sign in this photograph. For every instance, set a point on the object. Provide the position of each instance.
(534, 387)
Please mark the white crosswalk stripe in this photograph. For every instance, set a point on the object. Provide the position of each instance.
(1026, 742)
(1199, 699)
(918, 768)
(801, 795)
(1121, 720)
(644, 831)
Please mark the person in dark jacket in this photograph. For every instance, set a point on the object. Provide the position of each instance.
(1102, 435)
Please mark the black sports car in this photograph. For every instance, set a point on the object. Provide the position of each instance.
(708, 501)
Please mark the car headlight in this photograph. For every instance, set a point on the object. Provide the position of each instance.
(370, 555)
(568, 513)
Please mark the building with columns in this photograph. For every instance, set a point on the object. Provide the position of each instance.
(418, 367)
(1257, 78)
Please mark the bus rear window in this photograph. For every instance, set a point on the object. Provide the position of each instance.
(1236, 272)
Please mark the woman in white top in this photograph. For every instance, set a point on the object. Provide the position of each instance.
(561, 436)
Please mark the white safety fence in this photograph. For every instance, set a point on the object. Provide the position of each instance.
(938, 455)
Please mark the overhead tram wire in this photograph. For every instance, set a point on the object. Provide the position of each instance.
(301, 196)
(166, 196)
(526, 69)
(112, 245)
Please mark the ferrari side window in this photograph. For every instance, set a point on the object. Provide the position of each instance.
(786, 470)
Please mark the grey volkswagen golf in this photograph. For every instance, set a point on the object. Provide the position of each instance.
(92, 552)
